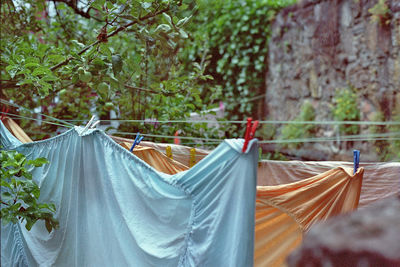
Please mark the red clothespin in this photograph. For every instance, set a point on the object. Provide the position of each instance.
(4, 111)
(250, 131)
(177, 141)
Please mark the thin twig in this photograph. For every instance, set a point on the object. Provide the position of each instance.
(148, 16)
(72, 4)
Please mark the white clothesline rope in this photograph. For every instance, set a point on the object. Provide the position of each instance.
(153, 121)
(346, 138)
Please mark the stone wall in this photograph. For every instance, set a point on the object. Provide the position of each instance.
(317, 47)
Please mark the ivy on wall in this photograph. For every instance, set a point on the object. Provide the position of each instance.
(236, 34)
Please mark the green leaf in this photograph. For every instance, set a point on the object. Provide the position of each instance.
(29, 223)
(167, 18)
(116, 64)
(183, 21)
(163, 27)
(40, 71)
(104, 49)
(44, 88)
(56, 58)
(12, 70)
(38, 162)
(5, 184)
(146, 5)
(6, 194)
(49, 78)
(183, 34)
(32, 64)
(80, 45)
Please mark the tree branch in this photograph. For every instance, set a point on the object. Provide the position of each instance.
(148, 90)
(166, 93)
(72, 4)
(116, 31)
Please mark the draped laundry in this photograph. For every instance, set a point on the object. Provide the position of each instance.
(380, 180)
(116, 210)
(284, 212)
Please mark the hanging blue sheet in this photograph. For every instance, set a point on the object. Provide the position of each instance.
(115, 210)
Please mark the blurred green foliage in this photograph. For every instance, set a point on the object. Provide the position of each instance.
(346, 108)
(299, 131)
(56, 58)
(381, 13)
(163, 59)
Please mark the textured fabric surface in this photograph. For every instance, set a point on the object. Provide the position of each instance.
(284, 212)
(116, 210)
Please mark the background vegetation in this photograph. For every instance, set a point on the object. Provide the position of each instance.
(140, 59)
(150, 60)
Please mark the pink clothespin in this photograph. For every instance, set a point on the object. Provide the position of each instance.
(250, 131)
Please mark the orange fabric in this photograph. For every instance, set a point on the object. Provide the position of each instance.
(180, 153)
(381, 179)
(16, 130)
(284, 212)
(156, 159)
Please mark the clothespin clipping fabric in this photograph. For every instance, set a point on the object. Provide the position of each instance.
(356, 157)
(192, 160)
(87, 126)
(94, 124)
(168, 151)
(250, 132)
(177, 141)
(138, 139)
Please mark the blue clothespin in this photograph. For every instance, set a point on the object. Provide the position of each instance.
(138, 139)
(356, 156)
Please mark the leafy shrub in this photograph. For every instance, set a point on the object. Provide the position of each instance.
(20, 194)
(380, 13)
(298, 131)
(346, 109)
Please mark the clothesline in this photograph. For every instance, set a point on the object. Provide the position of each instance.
(382, 123)
(31, 111)
(149, 121)
(345, 138)
(365, 137)
(15, 116)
